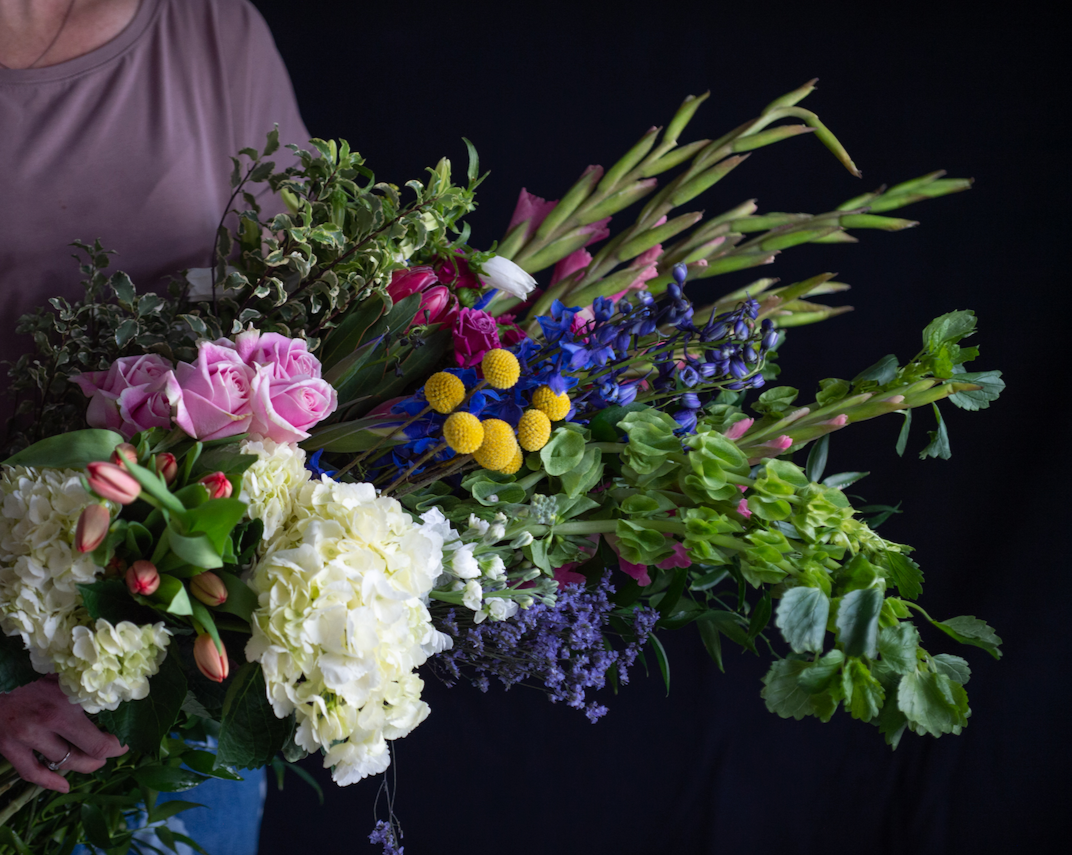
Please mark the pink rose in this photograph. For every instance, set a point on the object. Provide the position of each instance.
(215, 400)
(286, 357)
(475, 333)
(285, 408)
(136, 393)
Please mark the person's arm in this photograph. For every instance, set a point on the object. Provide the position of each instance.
(39, 717)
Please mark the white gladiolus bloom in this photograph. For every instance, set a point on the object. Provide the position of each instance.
(342, 625)
(501, 273)
(271, 484)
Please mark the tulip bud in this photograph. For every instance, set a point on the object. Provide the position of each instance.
(143, 578)
(110, 482)
(209, 589)
(92, 528)
(210, 661)
(124, 452)
(217, 485)
(116, 567)
(167, 467)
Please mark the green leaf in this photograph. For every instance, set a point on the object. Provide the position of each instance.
(203, 616)
(250, 734)
(857, 622)
(563, 452)
(969, 629)
(205, 763)
(172, 596)
(932, 703)
(882, 372)
(951, 327)
(833, 390)
(760, 616)
(816, 464)
(939, 444)
(897, 645)
(820, 674)
(216, 520)
(110, 599)
(801, 616)
(902, 437)
(955, 668)
(167, 779)
(661, 658)
(194, 549)
(355, 329)
(163, 811)
(143, 724)
(979, 399)
(904, 572)
(353, 436)
(15, 667)
(785, 696)
(841, 480)
(96, 826)
(712, 641)
(11, 838)
(604, 425)
(863, 693)
(74, 450)
(776, 400)
(241, 599)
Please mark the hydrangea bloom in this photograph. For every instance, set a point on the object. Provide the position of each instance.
(342, 623)
(271, 484)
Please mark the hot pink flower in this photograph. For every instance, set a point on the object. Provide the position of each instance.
(531, 208)
(680, 558)
(475, 333)
(565, 575)
(283, 409)
(509, 332)
(215, 400)
(456, 272)
(410, 281)
(136, 393)
(738, 429)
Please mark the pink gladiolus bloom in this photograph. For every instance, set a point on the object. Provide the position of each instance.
(836, 421)
(136, 393)
(284, 409)
(110, 482)
(565, 575)
(215, 400)
(210, 661)
(218, 485)
(531, 208)
(142, 578)
(475, 333)
(680, 558)
(576, 260)
(738, 429)
(92, 528)
(637, 571)
(743, 509)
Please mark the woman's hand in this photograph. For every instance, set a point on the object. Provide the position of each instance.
(39, 717)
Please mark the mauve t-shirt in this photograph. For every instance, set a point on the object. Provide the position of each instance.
(131, 143)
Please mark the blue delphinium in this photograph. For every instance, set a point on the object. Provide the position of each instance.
(558, 647)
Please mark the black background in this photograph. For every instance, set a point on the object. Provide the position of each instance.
(545, 90)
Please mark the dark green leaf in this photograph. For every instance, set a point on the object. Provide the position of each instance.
(760, 616)
(216, 520)
(96, 826)
(604, 425)
(167, 779)
(785, 696)
(819, 675)
(661, 658)
(250, 734)
(863, 694)
(932, 703)
(857, 622)
(801, 616)
(712, 641)
(904, 572)
(165, 810)
(205, 763)
(142, 724)
(969, 629)
(902, 437)
(241, 600)
(816, 464)
(955, 668)
(939, 444)
(897, 645)
(841, 480)
(979, 399)
(882, 372)
(110, 599)
(15, 667)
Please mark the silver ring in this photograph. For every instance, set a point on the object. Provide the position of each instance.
(55, 766)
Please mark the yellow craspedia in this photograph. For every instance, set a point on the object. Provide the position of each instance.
(514, 465)
(444, 392)
(533, 430)
(463, 432)
(499, 445)
(501, 368)
(554, 406)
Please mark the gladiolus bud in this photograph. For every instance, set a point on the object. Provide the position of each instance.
(167, 467)
(124, 452)
(217, 485)
(92, 528)
(143, 578)
(210, 661)
(209, 589)
(110, 482)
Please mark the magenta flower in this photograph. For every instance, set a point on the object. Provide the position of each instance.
(475, 333)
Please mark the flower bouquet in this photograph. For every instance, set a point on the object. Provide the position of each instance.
(357, 446)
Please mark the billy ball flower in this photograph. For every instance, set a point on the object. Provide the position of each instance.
(464, 432)
(499, 445)
(555, 407)
(501, 368)
(533, 430)
(444, 392)
(514, 465)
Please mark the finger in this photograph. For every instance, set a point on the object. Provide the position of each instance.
(25, 763)
(81, 762)
(84, 735)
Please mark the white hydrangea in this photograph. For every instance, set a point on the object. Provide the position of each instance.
(110, 664)
(99, 665)
(342, 622)
(271, 485)
(40, 568)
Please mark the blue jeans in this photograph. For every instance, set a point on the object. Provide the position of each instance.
(230, 821)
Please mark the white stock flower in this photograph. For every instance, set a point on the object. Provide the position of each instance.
(341, 623)
(497, 608)
(464, 564)
(502, 273)
(271, 484)
(473, 595)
